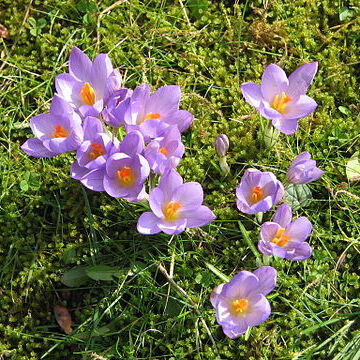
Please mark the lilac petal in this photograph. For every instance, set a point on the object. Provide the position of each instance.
(273, 82)
(199, 217)
(92, 126)
(181, 118)
(302, 251)
(91, 110)
(42, 125)
(34, 147)
(147, 224)
(267, 279)
(235, 331)
(69, 89)
(270, 113)
(286, 126)
(242, 285)
(252, 94)
(113, 84)
(172, 227)
(60, 107)
(301, 108)
(283, 215)
(169, 182)
(265, 247)
(164, 100)
(258, 311)
(94, 180)
(79, 64)
(301, 78)
(301, 157)
(214, 296)
(156, 202)
(115, 162)
(268, 231)
(300, 229)
(113, 187)
(100, 71)
(277, 250)
(132, 143)
(316, 174)
(190, 195)
(78, 172)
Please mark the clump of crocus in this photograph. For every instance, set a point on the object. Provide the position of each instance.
(222, 147)
(241, 303)
(55, 133)
(303, 170)
(285, 238)
(258, 191)
(175, 206)
(88, 83)
(282, 99)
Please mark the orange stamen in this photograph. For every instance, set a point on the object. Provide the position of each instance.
(257, 195)
(96, 151)
(279, 102)
(126, 176)
(239, 306)
(280, 239)
(163, 151)
(87, 94)
(59, 132)
(171, 210)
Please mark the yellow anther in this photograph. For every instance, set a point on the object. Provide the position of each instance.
(126, 176)
(96, 151)
(87, 94)
(163, 151)
(280, 239)
(171, 210)
(256, 195)
(279, 102)
(239, 306)
(59, 132)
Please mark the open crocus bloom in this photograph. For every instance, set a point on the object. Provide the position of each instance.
(284, 238)
(175, 206)
(165, 152)
(241, 303)
(152, 113)
(258, 191)
(88, 83)
(282, 99)
(55, 133)
(127, 170)
(303, 170)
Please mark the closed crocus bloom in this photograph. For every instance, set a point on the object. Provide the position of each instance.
(89, 83)
(152, 113)
(175, 206)
(127, 170)
(282, 99)
(303, 170)
(258, 191)
(285, 238)
(241, 303)
(55, 133)
(222, 145)
(165, 152)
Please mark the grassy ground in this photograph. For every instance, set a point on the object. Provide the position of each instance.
(50, 224)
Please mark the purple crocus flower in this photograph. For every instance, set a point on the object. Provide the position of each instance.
(88, 84)
(282, 99)
(284, 238)
(126, 169)
(241, 303)
(92, 154)
(55, 133)
(175, 206)
(152, 113)
(258, 191)
(303, 170)
(222, 145)
(165, 152)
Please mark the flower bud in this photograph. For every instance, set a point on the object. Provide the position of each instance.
(222, 145)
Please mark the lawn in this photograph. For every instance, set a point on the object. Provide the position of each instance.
(134, 296)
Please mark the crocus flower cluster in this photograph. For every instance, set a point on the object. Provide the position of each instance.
(89, 99)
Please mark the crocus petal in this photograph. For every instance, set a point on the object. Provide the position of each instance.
(273, 82)
(301, 108)
(301, 157)
(132, 143)
(189, 195)
(78, 172)
(199, 217)
(283, 215)
(300, 229)
(258, 311)
(268, 230)
(156, 202)
(267, 279)
(94, 180)
(60, 107)
(241, 286)
(164, 100)
(147, 224)
(92, 126)
(235, 331)
(181, 118)
(301, 78)
(286, 126)
(79, 64)
(69, 88)
(172, 227)
(302, 251)
(169, 182)
(252, 94)
(42, 125)
(100, 71)
(214, 297)
(34, 147)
